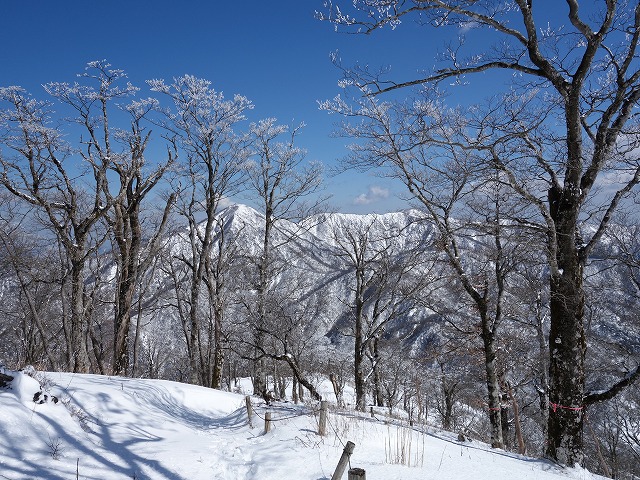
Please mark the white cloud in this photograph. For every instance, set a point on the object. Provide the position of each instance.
(374, 194)
(226, 202)
(464, 27)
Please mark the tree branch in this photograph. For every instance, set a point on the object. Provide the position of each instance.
(451, 73)
(602, 395)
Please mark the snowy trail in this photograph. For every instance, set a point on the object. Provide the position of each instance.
(117, 428)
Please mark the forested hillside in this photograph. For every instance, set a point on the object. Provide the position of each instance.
(367, 300)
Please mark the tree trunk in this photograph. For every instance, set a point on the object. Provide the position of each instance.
(218, 313)
(259, 367)
(358, 375)
(128, 238)
(448, 392)
(136, 340)
(567, 343)
(122, 326)
(567, 347)
(516, 421)
(218, 365)
(504, 423)
(493, 385)
(377, 389)
(338, 389)
(359, 380)
(259, 370)
(543, 349)
(302, 380)
(194, 337)
(79, 326)
(294, 390)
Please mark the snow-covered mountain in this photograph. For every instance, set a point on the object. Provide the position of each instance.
(317, 253)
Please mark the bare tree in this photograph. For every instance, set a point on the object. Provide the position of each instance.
(202, 123)
(586, 74)
(461, 196)
(337, 368)
(381, 289)
(220, 282)
(290, 333)
(281, 180)
(68, 184)
(23, 258)
(356, 249)
(125, 223)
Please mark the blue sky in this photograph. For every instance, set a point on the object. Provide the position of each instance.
(274, 52)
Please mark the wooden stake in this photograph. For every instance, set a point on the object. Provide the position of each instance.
(247, 400)
(267, 422)
(357, 474)
(344, 460)
(322, 422)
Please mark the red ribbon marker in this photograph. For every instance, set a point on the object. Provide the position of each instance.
(556, 406)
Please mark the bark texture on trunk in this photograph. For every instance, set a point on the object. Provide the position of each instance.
(128, 234)
(567, 348)
(359, 380)
(567, 343)
(79, 327)
(493, 384)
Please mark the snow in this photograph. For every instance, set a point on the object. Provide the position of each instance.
(118, 428)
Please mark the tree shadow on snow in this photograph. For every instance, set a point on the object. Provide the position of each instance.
(116, 440)
(118, 456)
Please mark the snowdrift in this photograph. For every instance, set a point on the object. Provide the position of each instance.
(97, 427)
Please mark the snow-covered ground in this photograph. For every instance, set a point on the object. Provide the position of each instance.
(120, 428)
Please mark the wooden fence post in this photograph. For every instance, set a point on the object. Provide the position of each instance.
(247, 400)
(357, 474)
(322, 422)
(267, 422)
(344, 460)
